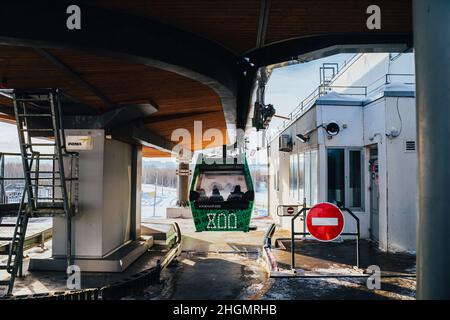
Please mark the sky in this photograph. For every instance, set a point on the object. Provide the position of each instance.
(286, 88)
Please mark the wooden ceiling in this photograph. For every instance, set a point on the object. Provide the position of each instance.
(148, 152)
(312, 17)
(180, 101)
(234, 24)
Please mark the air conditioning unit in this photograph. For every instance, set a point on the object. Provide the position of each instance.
(285, 143)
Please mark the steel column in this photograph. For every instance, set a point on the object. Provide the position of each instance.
(183, 184)
(432, 46)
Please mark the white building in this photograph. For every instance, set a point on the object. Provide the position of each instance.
(370, 165)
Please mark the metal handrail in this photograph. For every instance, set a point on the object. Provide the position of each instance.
(303, 212)
(40, 175)
(323, 89)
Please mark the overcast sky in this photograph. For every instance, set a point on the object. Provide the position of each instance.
(287, 87)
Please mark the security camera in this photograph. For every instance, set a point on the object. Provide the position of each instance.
(332, 128)
(302, 138)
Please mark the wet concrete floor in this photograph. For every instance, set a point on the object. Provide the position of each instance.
(221, 265)
(228, 265)
(213, 276)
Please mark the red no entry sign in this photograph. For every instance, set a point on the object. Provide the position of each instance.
(290, 210)
(325, 221)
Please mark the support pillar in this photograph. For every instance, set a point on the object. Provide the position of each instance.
(432, 54)
(181, 210)
(106, 229)
(183, 184)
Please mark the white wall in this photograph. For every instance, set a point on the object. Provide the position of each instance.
(367, 69)
(375, 133)
(116, 224)
(401, 177)
(102, 223)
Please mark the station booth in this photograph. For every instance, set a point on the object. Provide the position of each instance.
(350, 151)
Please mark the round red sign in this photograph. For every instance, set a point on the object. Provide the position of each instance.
(290, 210)
(325, 221)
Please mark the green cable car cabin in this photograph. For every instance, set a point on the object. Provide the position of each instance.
(221, 194)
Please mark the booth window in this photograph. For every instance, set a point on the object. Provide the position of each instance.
(303, 177)
(293, 175)
(345, 176)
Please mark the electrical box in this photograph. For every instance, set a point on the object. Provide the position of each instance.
(285, 143)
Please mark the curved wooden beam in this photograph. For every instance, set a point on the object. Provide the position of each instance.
(43, 25)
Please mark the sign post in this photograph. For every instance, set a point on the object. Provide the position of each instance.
(325, 221)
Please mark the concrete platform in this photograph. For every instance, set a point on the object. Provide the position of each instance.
(117, 261)
(178, 213)
(35, 282)
(218, 241)
(161, 233)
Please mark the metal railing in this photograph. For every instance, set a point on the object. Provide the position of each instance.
(323, 89)
(45, 181)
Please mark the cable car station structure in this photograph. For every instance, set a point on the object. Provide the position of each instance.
(137, 70)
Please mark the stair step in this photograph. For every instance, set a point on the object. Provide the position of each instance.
(39, 144)
(46, 185)
(3, 267)
(32, 100)
(34, 115)
(42, 156)
(6, 238)
(7, 225)
(44, 172)
(4, 282)
(37, 130)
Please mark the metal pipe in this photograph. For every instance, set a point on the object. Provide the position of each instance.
(432, 59)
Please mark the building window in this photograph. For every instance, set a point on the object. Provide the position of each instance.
(307, 177)
(314, 176)
(345, 177)
(275, 170)
(355, 179)
(336, 172)
(307, 181)
(301, 177)
(293, 175)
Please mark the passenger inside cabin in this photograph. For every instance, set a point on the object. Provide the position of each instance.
(216, 197)
(236, 194)
(202, 195)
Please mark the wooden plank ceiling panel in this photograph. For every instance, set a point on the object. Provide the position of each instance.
(232, 23)
(22, 68)
(208, 121)
(122, 81)
(148, 152)
(298, 18)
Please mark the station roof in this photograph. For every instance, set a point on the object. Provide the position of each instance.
(192, 60)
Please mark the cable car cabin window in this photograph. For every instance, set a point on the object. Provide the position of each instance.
(227, 188)
(221, 196)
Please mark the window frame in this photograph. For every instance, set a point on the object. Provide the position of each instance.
(347, 175)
